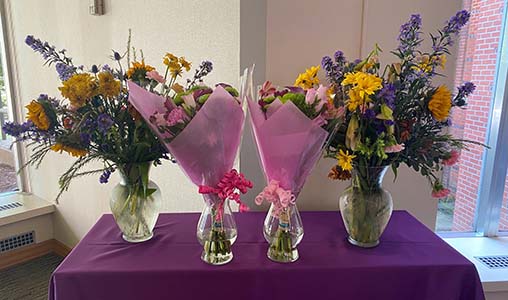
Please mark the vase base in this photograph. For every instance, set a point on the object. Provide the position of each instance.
(362, 244)
(137, 239)
(216, 259)
(283, 257)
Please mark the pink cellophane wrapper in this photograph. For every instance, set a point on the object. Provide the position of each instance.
(289, 143)
(206, 148)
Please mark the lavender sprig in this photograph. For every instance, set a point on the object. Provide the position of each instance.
(203, 70)
(64, 66)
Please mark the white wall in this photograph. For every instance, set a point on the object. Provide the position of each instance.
(197, 29)
(282, 37)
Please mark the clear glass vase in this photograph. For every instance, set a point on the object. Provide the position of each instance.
(365, 206)
(135, 202)
(283, 231)
(216, 231)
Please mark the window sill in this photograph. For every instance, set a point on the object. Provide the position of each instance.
(493, 280)
(32, 206)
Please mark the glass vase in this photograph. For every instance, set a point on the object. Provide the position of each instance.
(135, 202)
(283, 230)
(216, 231)
(365, 206)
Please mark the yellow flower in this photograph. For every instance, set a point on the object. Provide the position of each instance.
(345, 160)
(363, 83)
(138, 70)
(308, 79)
(37, 115)
(169, 58)
(78, 89)
(108, 86)
(184, 63)
(355, 100)
(175, 69)
(58, 147)
(441, 103)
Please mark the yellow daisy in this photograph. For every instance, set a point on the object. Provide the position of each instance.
(345, 160)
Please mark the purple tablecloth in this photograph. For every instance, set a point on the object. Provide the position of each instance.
(410, 263)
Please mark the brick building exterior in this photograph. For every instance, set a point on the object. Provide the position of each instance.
(477, 58)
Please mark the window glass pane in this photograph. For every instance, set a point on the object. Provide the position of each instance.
(503, 221)
(8, 176)
(477, 62)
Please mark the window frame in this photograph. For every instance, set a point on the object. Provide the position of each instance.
(15, 111)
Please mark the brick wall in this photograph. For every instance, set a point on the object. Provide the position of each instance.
(478, 48)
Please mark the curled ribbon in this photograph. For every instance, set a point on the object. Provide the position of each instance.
(275, 194)
(230, 186)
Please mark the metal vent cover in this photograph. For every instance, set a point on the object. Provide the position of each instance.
(10, 205)
(494, 261)
(16, 241)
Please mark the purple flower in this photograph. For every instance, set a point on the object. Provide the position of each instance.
(85, 138)
(409, 33)
(107, 68)
(457, 22)
(18, 130)
(104, 123)
(370, 114)
(467, 88)
(339, 57)
(64, 71)
(388, 94)
(327, 63)
(105, 176)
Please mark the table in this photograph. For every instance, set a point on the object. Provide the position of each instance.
(410, 263)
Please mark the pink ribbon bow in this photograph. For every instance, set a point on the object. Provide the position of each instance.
(230, 186)
(275, 194)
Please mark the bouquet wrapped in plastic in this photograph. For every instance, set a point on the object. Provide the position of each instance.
(201, 127)
(290, 128)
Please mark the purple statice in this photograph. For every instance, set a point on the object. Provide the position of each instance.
(463, 92)
(380, 127)
(49, 54)
(203, 70)
(339, 57)
(64, 71)
(457, 22)
(369, 114)
(467, 88)
(451, 28)
(18, 131)
(387, 93)
(409, 33)
(104, 123)
(105, 176)
(389, 122)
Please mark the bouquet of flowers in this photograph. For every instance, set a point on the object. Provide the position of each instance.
(290, 127)
(201, 127)
(95, 123)
(390, 116)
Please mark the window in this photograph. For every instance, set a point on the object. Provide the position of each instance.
(477, 182)
(10, 157)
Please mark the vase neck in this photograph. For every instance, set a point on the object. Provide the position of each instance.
(134, 173)
(368, 178)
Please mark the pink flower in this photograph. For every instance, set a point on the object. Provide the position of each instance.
(154, 75)
(441, 193)
(394, 148)
(266, 90)
(333, 113)
(176, 116)
(453, 159)
(189, 100)
(310, 96)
